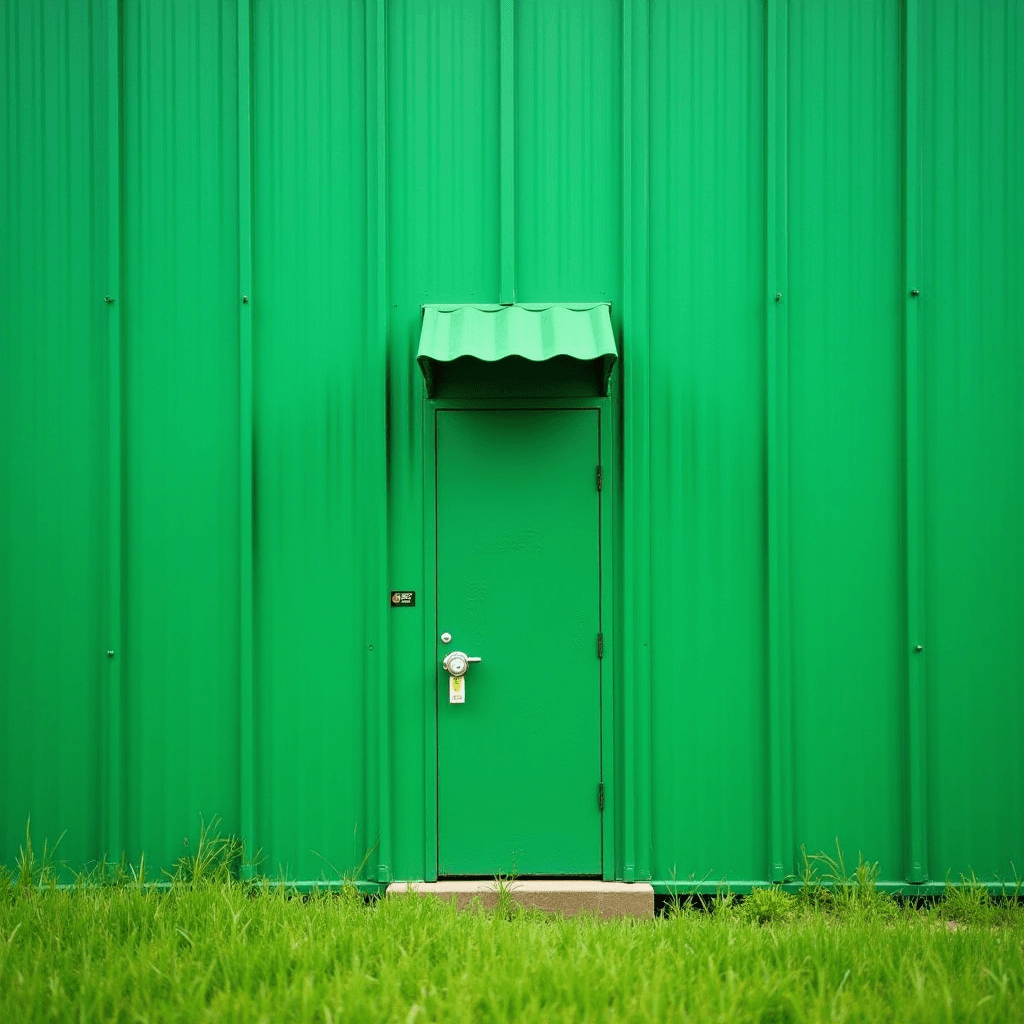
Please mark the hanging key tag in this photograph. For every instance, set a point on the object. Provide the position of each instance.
(456, 690)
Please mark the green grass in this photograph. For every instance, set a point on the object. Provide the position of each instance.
(210, 949)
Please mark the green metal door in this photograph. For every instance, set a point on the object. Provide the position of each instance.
(519, 586)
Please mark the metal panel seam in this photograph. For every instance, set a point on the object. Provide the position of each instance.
(913, 461)
(777, 408)
(247, 780)
(113, 817)
(374, 411)
(508, 152)
(636, 695)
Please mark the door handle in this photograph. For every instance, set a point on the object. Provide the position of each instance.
(457, 664)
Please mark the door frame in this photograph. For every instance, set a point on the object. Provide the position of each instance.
(608, 513)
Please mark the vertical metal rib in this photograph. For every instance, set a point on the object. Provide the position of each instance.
(777, 377)
(508, 153)
(114, 841)
(245, 434)
(374, 412)
(913, 459)
(636, 711)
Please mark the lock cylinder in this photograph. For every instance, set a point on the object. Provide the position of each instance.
(456, 663)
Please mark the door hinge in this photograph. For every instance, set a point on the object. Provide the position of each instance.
(600, 645)
(600, 796)
(600, 478)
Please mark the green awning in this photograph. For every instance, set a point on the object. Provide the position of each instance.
(496, 340)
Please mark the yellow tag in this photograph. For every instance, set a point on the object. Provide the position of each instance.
(456, 690)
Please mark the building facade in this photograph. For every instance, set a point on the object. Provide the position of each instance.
(785, 612)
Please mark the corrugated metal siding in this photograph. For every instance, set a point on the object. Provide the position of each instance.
(845, 414)
(568, 159)
(52, 426)
(310, 358)
(624, 151)
(972, 313)
(180, 386)
(707, 439)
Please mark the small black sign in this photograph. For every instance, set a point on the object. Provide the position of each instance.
(403, 598)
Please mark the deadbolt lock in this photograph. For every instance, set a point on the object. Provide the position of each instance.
(457, 664)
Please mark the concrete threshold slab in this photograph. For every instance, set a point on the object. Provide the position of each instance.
(556, 896)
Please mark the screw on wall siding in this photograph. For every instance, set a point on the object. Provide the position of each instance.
(108, 299)
(914, 292)
(778, 296)
(245, 300)
(918, 648)
(110, 654)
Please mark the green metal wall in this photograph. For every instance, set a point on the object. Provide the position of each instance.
(808, 218)
(178, 654)
(53, 429)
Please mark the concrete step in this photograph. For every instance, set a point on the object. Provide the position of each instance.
(565, 896)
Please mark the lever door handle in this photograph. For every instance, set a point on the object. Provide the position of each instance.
(457, 664)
